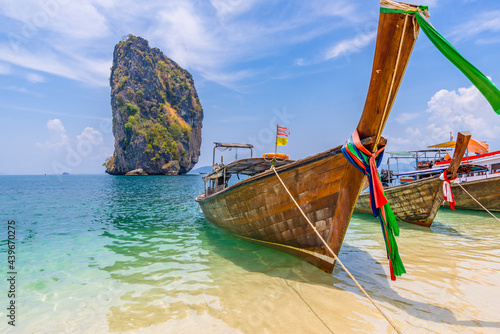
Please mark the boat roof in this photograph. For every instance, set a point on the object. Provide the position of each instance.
(252, 166)
(248, 166)
(474, 146)
(474, 158)
(437, 170)
(233, 145)
(416, 152)
(421, 172)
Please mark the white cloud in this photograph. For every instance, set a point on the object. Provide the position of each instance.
(58, 137)
(75, 39)
(65, 155)
(299, 62)
(482, 22)
(406, 117)
(228, 8)
(35, 78)
(340, 8)
(21, 90)
(59, 37)
(463, 110)
(228, 79)
(92, 71)
(189, 40)
(76, 19)
(398, 143)
(16, 89)
(90, 135)
(349, 46)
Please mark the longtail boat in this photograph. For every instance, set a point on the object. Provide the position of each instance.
(418, 201)
(481, 186)
(327, 185)
(486, 191)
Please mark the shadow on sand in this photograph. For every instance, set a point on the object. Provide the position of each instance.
(436, 227)
(370, 273)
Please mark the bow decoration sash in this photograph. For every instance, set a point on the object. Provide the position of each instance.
(448, 195)
(367, 163)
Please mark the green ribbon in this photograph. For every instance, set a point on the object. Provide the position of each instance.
(478, 79)
(393, 232)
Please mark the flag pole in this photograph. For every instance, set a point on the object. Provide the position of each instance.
(276, 141)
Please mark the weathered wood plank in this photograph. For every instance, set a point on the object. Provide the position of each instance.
(486, 191)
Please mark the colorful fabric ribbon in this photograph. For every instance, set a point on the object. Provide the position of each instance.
(367, 163)
(448, 195)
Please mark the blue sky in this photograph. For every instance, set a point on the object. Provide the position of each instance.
(303, 64)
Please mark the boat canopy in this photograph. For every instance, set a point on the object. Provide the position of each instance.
(417, 152)
(401, 153)
(465, 168)
(225, 146)
(252, 166)
(474, 146)
(422, 172)
(231, 145)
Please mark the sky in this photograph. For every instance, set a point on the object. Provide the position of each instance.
(303, 64)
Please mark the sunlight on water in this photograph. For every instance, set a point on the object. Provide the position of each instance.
(134, 254)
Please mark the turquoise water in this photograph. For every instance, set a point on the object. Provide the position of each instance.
(100, 254)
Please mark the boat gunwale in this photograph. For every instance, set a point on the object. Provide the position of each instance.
(295, 164)
(268, 173)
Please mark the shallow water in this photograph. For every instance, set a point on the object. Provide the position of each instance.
(99, 254)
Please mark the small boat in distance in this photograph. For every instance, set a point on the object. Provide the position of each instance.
(483, 184)
(419, 194)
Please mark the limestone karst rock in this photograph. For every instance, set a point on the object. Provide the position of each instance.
(157, 115)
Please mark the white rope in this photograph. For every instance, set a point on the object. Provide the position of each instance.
(398, 5)
(477, 201)
(335, 255)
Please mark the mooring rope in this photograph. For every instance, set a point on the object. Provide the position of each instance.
(335, 255)
(478, 202)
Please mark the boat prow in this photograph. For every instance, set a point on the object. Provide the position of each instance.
(418, 201)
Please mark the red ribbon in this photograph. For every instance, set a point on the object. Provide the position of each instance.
(378, 188)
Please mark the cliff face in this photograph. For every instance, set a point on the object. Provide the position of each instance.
(157, 116)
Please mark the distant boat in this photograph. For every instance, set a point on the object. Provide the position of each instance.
(65, 173)
(483, 185)
(419, 194)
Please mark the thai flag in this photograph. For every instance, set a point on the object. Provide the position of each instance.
(282, 131)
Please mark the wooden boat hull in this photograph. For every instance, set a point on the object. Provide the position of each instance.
(416, 202)
(259, 209)
(486, 191)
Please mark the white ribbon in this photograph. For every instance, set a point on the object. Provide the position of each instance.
(448, 195)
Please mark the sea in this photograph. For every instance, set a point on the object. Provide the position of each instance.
(116, 254)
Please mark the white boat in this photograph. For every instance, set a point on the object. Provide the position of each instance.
(477, 186)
